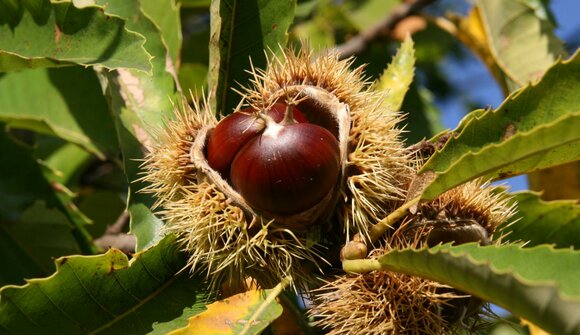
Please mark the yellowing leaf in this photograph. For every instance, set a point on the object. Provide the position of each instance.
(533, 329)
(245, 313)
(470, 30)
(397, 78)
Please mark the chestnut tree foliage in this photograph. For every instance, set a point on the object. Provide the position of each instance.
(83, 82)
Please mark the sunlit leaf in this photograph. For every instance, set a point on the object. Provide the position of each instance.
(521, 38)
(398, 76)
(534, 128)
(533, 283)
(165, 14)
(241, 31)
(51, 101)
(245, 313)
(57, 32)
(105, 294)
(140, 102)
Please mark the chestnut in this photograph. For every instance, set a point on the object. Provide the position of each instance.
(230, 135)
(287, 169)
(279, 163)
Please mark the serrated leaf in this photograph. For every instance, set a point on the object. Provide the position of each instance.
(51, 101)
(31, 244)
(59, 32)
(521, 38)
(398, 76)
(240, 31)
(539, 284)
(165, 15)
(536, 127)
(243, 314)
(543, 222)
(105, 294)
(139, 102)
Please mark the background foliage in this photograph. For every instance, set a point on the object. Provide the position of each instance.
(83, 81)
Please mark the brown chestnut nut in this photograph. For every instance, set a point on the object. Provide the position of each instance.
(288, 168)
(234, 131)
(278, 162)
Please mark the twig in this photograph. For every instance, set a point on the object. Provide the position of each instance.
(115, 237)
(360, 42)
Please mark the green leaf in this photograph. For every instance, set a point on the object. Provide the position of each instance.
(193, 77)
(51, 101)
(543, 222)
(536, 127)
(241, 30)
(105, 294)
(30, 245)
(423, 118)
(372, 12)
(539, 284)
(66, 161)
(165, 15)
(36, 222)
(246, 313)
(139, 103)
(398, 76)
(58, 32)
(521, 38)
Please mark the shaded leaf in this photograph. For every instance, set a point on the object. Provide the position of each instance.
(139, 102)
(544, 222)
(33, 219)
(533, 283)
(59, 32)
(241, 30)
(51, 101)
(536, 127)
(423, 119)
(193, 77)
(558, 182)
(521, 38)
(245, 313)
(398, 76)
(117, 296)
(30, 245)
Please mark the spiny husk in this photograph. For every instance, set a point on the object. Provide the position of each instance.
(475, 203)
(230, 239)
(377, 168)
(219, 233)
(382, 302)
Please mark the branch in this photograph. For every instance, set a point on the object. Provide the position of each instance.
(360, 42)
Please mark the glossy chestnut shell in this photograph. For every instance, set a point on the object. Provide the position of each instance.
(234, 131)
(279, 165)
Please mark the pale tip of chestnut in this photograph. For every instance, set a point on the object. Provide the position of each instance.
(353, 250)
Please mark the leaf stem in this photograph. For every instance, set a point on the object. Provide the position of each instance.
(382, 226)
(274, 293)
(361, 265)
